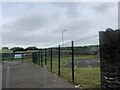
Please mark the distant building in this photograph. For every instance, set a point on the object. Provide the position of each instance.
(6, 53)
(28, 54)
(25, 54)
(93, 49)
(19, 54)
(86, 50)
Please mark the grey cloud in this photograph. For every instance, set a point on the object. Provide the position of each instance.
(29, 23)
(104, 7)
(37, 29)
(119, 14)
(26, 24)
(77, 28)
(72, 11)
(28, 40)
(25, 28)
(69, 7)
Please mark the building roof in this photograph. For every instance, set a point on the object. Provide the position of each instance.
(29, 51)
(20, 52)
(5, 51)
(32, 51)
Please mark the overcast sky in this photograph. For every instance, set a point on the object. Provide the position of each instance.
(41, 23)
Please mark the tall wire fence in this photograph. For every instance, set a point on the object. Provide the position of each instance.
(77, 64)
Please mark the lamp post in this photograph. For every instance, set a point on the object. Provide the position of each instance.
(63, 41)
(63, 37)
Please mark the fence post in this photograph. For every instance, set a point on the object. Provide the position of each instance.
(33, 57)
(59, 60)
(13, 56)
(72, 61)
(22, 57)
(45, 56)
(51, 59)
(41, 58)
(36, 57)
(110, 59)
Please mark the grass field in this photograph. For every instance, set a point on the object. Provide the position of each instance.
(84, 77)
(21, 59)
(81, 57)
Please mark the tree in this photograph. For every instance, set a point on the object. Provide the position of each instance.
(31, 48)
(5, 48)
(17, 49)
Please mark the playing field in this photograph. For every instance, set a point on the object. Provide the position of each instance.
(86, 72)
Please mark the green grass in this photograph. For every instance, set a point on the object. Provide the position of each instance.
(85, 77)
(6, 59)
(54, 65)
(27, 60)
(82, 57)
(23, 59)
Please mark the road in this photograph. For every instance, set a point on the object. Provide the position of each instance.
(83, 63)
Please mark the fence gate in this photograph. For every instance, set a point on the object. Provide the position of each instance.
(110, 59)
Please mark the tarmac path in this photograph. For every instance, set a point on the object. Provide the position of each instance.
(28, 75)
(0, 75)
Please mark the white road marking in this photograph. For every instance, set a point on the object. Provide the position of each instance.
(89, 66)
(77, 86)
(75, 66)
(77, 61)
(4, 61)
(87, 61)
(44, 77)
(7, 77)
(98, 60)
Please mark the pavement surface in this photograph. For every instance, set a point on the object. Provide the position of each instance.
(0, 75)
(83, 63)
(28, 75)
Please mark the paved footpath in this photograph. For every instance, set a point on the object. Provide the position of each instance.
(0, 75)
(28, 75)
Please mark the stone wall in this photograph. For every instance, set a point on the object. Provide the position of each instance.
(110, 59)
